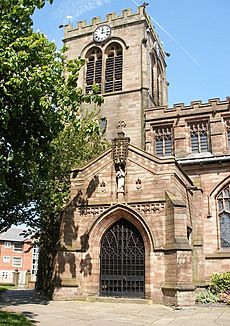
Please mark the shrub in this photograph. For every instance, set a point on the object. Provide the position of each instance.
(206, 296)
(220, 282)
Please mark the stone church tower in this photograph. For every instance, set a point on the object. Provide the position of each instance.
(150, 217)
(125, 58)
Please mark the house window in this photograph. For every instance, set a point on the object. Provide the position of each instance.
(93, 69)
(113, 68)
(223, 200)
(199, 137)
(5, 274)
(35, 260)
(163, 141)
(6, 259)
(17, 261)
(18, 246)
(227, 125)
(7, 244)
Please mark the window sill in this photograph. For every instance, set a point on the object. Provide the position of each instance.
(16, 266)
(222, 254)
(200, 155)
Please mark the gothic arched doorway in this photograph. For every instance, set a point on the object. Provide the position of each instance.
(122, 261)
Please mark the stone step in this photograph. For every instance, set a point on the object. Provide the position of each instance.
(119, 300)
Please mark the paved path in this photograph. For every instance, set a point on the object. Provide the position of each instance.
(80, 313)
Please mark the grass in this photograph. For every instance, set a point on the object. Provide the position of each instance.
(6, 287)
(13, 319)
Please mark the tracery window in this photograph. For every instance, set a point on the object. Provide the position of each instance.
(227, 126)
(223, 199)
(199, 137)
(113, 68)
(93, 68)
(163, 141)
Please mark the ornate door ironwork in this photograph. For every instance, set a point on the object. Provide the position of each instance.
(122, 261)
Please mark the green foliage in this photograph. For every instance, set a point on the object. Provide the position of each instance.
(207, 296)
(219, 289)
(76, 144)
(220, 282)
(39, 97)
(43, 130)
(13, 319)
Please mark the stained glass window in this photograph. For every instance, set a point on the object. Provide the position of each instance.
(223, 200)
(227, 125)
(163, 141)
(199, 137)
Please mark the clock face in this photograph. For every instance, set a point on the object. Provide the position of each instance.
(101, 33)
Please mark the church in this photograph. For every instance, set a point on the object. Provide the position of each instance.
(150, 217)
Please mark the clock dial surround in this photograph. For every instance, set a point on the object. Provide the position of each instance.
(101, 33)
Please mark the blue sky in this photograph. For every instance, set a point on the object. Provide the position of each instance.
(195, 32)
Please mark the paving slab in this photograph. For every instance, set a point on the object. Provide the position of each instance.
(81, 313)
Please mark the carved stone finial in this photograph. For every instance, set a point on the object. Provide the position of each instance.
(120, 125)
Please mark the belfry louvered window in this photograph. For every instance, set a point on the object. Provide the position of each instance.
(93, 69)
(223, 200)
(113, 68)
(199, 137)
(163, 141)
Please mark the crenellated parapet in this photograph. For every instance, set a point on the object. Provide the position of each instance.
(199, 104)
(213, 105)
(112, 19)
(182, 121)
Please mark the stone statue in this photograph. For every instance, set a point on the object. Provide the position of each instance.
(120, 174)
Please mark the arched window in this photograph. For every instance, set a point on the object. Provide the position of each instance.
(163, 140)
(113, 68)
(223, 199)
(227, 128)
(153, 76)
(93, 68)
(199, 136)
(156, 81)
(159, 82)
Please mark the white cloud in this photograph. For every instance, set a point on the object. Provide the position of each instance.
(77, 8)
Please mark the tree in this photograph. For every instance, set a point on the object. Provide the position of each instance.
(39, 99)
(76, 144)
(43, 131)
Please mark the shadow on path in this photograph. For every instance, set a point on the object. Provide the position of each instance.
(21, 297)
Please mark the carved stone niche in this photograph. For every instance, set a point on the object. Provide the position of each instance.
(120, 146)
(102, 186)
(138, 184)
